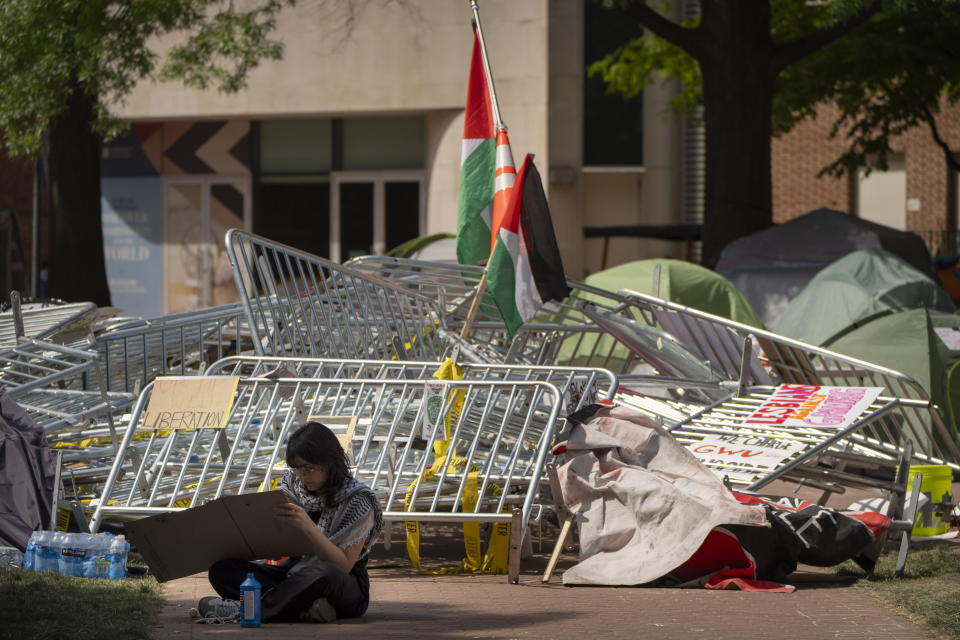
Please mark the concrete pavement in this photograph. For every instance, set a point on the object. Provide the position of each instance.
(408, 605)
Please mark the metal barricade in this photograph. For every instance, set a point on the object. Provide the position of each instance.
(34, 364)
(45, 322)
(824, 457)
(177, 344)
(60, 388)
(500, 436)
(453, 286)
(579, 386)
(751, 355)
(299, 304)
(559, 333)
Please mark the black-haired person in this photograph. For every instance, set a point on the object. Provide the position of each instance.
(342, 518)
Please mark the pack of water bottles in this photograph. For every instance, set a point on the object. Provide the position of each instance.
(83, 555)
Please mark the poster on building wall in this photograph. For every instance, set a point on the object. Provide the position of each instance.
(132, 215)
(810, 405)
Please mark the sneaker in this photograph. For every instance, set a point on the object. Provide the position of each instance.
(218, 610)
(320, 611)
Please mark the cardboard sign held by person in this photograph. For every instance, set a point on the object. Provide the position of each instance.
(185, 542)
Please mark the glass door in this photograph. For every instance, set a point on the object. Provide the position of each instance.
(199, 211)
(372, 212)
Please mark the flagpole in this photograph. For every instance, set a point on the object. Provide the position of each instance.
(474, 305)
(498, 125)
(497, 121)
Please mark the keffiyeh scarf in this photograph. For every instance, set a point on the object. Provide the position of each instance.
(352, 516)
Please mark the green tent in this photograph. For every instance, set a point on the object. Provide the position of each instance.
(855, 288)
(923, 344)
(681, 282)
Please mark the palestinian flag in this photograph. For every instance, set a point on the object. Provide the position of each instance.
(486, 168)
(525, 268)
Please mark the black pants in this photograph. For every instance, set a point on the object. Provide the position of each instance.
(283, 596)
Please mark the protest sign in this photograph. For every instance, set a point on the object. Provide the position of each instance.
(244, 527)
(805, 405)
(746, 454)
(190, 402)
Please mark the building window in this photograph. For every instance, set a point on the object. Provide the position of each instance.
(292, 200)
(297, 161)
(613, 125)
(376, 144)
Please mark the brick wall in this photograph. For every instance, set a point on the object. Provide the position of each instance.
(799, 155)
(797, 158)
(16, 192)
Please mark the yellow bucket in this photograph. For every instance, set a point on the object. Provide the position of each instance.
(933, 518)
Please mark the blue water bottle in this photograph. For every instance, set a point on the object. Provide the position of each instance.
(250, 602)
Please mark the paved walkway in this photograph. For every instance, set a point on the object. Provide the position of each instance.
(408, 605)
(405, 604)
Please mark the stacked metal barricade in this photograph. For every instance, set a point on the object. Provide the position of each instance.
(700, 375)
(332, 341)
(136, 351)
(360, 342)
(299, 304)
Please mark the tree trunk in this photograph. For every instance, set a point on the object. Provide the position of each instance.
(738, 96)
(76, 270)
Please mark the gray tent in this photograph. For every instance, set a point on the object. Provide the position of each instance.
(26, 476)
(854, 288)
(770, 267)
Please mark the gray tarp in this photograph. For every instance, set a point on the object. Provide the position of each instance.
(26, 475)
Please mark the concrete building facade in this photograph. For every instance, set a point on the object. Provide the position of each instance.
(351, 144)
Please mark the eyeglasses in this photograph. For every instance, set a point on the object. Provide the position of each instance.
(301, 469)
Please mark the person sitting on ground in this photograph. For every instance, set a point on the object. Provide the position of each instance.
(342, 518)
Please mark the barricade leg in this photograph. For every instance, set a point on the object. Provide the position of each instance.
(516, 536)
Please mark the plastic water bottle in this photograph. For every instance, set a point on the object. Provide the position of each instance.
(51, 552)
(64, 563)
(91, 542)
(10, 558)
(118, 558)
(30, 555)
(39, 539)
(250, 602)
(98, 564)
(55, 551)
(73, 554)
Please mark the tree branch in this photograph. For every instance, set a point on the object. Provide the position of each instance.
(663, 27)
(787, 53)
(952, 162)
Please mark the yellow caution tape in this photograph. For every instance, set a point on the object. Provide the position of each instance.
(496, 557)
(495, 560)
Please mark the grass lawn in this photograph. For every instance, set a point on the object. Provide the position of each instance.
(929, 591)
(48, 606)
